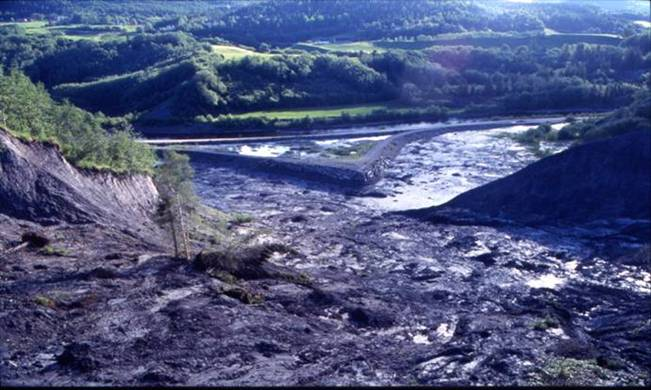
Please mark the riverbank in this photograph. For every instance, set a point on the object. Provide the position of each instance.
(348, 174)
(202, 132)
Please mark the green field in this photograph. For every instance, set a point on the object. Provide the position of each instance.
(549, 38)
(35, 27)
(231, 52)
(97, 32)
(235, 52)
(328, 112)
(363, 46)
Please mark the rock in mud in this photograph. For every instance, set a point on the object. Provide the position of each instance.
(370, 193)
(158, 376)
(322, 298)
(268, 349)
(244, 296)
(78, 356)
(102, 273)
(574, 348)
(35, 239)
(298, 218)
(364, 317)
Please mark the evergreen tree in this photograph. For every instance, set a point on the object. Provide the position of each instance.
(178, 201)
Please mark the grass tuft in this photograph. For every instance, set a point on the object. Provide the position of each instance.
(50, 250)
(45, 301)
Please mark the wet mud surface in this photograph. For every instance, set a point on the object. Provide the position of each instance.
(385, 299)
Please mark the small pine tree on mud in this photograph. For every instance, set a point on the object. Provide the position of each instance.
(178, 200)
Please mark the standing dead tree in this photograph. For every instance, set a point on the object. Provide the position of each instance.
(178, 201)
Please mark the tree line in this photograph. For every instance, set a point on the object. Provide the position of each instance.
(86, 140)
(521, 78)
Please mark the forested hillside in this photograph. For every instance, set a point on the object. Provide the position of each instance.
(325, 193)
(184, 62)
(86, 140)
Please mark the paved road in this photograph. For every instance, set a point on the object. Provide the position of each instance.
(351, 132)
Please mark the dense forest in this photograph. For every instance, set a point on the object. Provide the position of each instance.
(285, 22)
(163, 63)
(86, 140)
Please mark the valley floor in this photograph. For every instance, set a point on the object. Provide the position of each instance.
(389, 300)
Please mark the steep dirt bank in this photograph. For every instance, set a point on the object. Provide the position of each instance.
(602, 181)
(38, 184)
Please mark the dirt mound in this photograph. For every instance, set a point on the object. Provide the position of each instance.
(38, 184)
(606, 180)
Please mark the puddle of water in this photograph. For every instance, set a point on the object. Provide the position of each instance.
(550, 281)
(480, 249)
(639, 281)
(462, 270)
(514, 129)
(396, 236)
(348, 141)
(558, 126)
(299, 148)
(571, 265)
(446, 331)
(420, 338)
(558, 332)
(173, 295)
(263, 150)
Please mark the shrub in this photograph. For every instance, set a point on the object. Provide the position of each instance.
(545, 323)
(564, 372)
(241, 218)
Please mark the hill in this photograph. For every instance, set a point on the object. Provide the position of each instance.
(185, 63)
(604, 180)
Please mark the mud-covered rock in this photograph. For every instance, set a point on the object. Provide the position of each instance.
(365, 317)
(247, 262)
(78, 356)
(244, 295)
(158, 376)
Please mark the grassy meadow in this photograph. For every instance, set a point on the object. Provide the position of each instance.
(319, 112)
(76, 32)
(549, 39)
(236, 53)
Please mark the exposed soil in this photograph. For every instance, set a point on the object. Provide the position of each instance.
(603, 181)
(363, 297)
